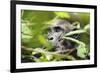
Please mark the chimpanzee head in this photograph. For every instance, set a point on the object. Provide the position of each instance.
(57, 30)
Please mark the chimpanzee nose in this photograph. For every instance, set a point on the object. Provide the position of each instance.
(51, 38)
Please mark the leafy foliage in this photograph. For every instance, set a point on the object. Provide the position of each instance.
(62, 14)
(36, 47)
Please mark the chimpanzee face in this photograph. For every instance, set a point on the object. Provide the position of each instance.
(55, 33)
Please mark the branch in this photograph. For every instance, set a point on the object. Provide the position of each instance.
(57, 53)
(75, 32)
(84, 30)
(74, 40)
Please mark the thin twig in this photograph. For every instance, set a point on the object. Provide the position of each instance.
(42, 51)
(57, 53)
(74, 40)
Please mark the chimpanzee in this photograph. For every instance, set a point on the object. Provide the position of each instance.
(57, 30)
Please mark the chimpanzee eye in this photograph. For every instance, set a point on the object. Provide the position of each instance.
(58, 29)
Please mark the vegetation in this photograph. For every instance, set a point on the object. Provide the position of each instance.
(35, 46)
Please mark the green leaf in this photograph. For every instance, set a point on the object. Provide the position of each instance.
(48, 57)
(37, 16)
(87, 27)
(85, 18)
(25, 29)
(62, 14)
(82, 51)
(26, 33)
(42, 39)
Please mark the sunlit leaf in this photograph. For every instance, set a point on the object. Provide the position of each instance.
(49, 57)
(82, 51)
(37, 16)
(62, 14)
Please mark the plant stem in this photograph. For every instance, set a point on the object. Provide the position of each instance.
(57, 53)
(75, 32)
(74, 40)
(84, 30)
